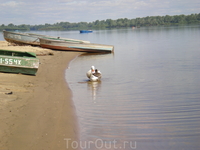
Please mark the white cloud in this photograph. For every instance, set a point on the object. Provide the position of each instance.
(52, 11)
(141, 3)
(11, 4)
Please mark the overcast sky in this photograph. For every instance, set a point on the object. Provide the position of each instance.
(36, 12)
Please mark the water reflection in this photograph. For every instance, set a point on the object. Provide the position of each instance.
(94, 87)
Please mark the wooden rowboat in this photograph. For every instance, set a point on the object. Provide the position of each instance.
(18, 62)
(22, 38)
(31, 38)
(74, 46)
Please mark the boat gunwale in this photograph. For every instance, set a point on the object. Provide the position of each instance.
(31, 54)
(24, 34)
(60, 41)
(64, 39)
(37, 36)
(61, 48)
(22, 42)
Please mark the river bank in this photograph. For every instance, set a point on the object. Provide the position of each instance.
(39, 114)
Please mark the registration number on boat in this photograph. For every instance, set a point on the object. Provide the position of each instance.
(10, 61)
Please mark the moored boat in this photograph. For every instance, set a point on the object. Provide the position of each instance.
(74, 46)
(18, 62)
(86, 31)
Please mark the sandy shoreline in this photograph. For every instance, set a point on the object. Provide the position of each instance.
(40, 113)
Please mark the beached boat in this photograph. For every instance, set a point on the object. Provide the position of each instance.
(22, 38)
(31, 38)
(65, 39)
(18, 62)
(74, 46)
(86, 31)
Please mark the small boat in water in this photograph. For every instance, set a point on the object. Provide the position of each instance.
(31, 38)
(80, 46)
(94, 74)
(86, 31)
(18, 62)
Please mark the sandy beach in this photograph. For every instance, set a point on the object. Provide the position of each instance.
(39, 114)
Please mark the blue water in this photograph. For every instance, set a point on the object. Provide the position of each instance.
(149, 96)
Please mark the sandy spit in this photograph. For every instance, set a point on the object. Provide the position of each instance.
(39, 114)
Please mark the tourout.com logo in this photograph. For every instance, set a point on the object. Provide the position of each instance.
(99, 144)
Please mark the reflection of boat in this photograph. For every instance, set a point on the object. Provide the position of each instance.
(18, 62)
(86, 31)
(74, 45)
(94, 87)
(31, 38)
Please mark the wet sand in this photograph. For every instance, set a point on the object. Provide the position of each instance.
(39, 114)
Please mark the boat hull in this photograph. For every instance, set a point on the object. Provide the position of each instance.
(21, 38)
(18, 70)
(32, 39)
(18, 62)
(75, 46)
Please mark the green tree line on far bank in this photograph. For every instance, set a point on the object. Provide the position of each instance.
(109, 23)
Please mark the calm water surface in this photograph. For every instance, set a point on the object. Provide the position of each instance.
(149, 96)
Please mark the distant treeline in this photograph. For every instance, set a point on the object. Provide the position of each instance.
(109, 23)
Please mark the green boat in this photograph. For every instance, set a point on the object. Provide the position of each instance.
(18, 62)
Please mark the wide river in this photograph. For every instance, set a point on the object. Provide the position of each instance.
(149, 95)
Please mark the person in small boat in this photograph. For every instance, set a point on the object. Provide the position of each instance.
(96, 76)
(91, 71)
(97, 73)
